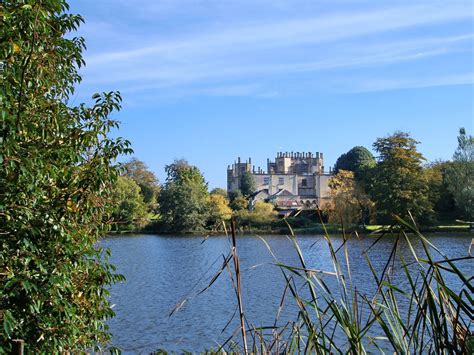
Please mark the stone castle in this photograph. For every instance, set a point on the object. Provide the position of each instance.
(292, 181)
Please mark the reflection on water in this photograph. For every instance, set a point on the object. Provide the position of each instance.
(161, 271)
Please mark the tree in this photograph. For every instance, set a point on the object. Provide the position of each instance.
(460, 175)
(183, 199)
(239, 203)
(247, 184)
(148, 182)
(219, 191)
(219, 209)
(234, 194)
(130, 211)
(439, 195)
(57, 172)
(357, 160)
(399, 184)
(349, 203)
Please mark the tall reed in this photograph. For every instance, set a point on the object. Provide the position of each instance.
(334, 316)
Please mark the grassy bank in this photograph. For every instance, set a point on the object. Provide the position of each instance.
(305, 227)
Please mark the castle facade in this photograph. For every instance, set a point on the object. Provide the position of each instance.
(291, 181)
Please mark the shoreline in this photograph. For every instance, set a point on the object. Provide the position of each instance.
(317, 229)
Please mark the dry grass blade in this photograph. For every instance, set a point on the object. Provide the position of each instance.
(239, 287)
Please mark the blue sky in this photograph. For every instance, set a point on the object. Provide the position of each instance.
(212, 80)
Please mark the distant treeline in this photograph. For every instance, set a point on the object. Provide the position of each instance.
(364, 190)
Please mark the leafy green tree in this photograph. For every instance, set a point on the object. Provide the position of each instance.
(460, 175)
(399, 184)
(358, 159)
(247, 184)
(130, 211)
(234, 194)
(183, 200)
(57, 171)
(439, 195)
(148, 182)
(239, 203)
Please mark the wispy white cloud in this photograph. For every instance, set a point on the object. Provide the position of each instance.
(254, 51)
(291, 33)
(165, 74)
(383, 84)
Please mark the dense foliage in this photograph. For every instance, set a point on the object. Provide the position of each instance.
(356, 160)
(399, 185)
(349, 202)
(439, 194)
(55, 180)
(183, 200)
(262, 214)
(129, 209)
(219, 191)
(460, 175)
(219, 210)
(137, 170)
(247, 184)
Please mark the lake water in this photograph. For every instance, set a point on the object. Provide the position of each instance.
(162, 271)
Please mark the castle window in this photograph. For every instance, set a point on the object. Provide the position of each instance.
(304, 182)
(266, 180)
(281, 181)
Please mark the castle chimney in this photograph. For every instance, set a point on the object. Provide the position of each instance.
(238, 159)
(250, 161)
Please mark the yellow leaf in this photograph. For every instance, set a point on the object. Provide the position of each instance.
(16, 48)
